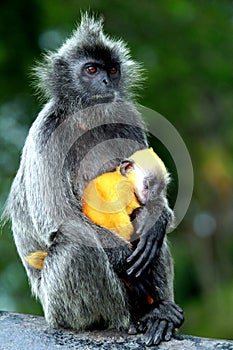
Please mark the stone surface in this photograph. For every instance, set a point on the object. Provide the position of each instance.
(26, 332)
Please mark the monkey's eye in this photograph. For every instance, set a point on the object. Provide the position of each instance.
(146, 184)
(91, 69)
(113, 71)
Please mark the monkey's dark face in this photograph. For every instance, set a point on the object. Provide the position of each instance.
(89, 68)
(99, 81)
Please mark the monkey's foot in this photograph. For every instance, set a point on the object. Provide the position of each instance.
(160, 323)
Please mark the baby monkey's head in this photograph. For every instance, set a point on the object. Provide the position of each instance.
(147, 173)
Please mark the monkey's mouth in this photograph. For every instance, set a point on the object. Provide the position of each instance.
(101, 98)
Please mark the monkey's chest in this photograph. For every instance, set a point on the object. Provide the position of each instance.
(100, 150)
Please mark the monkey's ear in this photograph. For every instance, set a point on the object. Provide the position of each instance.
(126, 166)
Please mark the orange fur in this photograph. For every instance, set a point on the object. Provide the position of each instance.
(109, 200)
(36, 259)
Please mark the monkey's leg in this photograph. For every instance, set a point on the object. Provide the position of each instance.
(160, 323)
(78, 287)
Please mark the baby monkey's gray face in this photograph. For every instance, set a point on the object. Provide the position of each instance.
(147, 184)
(154, 184)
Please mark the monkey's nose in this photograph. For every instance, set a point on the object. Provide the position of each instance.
(105, 81)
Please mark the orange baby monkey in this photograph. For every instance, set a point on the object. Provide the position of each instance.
(111, 198)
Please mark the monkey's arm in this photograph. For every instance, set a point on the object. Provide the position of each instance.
(162, 321)
(116, 249)
(151, 237)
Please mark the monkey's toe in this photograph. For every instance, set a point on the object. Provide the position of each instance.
(160, 324)
(132, 329)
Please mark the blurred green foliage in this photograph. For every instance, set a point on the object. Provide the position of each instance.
(186, 47)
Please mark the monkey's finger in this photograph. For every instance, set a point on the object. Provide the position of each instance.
(154, 237)
(177, 318)
(143, 267)
(152, 250)
(154, 244)
(148, 249)
(169, 332)
(141, 326)
(149, 335)
(140, 247)
(173, 313)
(138, 265)
(178, 308)
(144, 261)
(161, 329)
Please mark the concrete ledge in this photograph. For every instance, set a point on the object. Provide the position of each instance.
(27, 332)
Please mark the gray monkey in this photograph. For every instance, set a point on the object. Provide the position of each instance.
(87, 127)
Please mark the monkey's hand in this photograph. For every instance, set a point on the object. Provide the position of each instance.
(160, 323)
(151, 239)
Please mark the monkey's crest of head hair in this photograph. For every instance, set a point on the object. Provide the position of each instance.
(55, 75)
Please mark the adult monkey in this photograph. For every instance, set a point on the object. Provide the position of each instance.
(89, 83)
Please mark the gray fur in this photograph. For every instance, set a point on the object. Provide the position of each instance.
(55, 76)
(79, 285)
